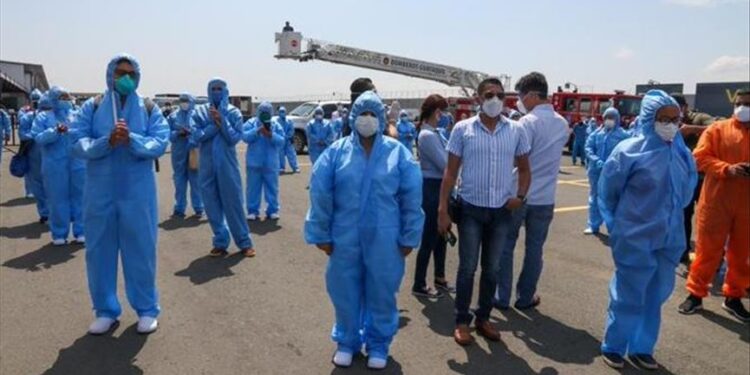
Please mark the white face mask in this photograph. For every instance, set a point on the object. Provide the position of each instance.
(742, 113)
(666, 130)
(492, 107)
(521, 108)
(609, 123)
(366, 126)
(184, 106)
(318, 117)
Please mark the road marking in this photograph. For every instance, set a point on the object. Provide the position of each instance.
(571, 209)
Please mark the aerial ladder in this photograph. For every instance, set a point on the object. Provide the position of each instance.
(291, 47)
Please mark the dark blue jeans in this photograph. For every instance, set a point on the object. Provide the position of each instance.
(432, 242)
(537, 220)
(485, 229)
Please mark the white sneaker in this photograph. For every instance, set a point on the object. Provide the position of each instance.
(101, 326)
(29, 196)
(342, 359)
(146, 325)
(274, 216)
(588, 231)
(80, 240)
(375, 363)
(59, 242)
(252, 217)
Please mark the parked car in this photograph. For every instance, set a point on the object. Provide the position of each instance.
(303, 113)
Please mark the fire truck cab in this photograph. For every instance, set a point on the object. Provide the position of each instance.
(574, 106)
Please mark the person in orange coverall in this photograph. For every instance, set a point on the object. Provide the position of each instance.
(723, 154)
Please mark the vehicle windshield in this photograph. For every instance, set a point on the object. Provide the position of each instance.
(629, 106)
(304, 110)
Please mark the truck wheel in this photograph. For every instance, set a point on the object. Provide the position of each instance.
(300, 141)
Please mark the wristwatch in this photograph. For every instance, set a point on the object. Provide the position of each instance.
(522, 198)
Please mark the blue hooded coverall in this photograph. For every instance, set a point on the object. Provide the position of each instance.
(319, 135)
(599, 145)
(33, 179)
(580, 133)
(219, 171)
(338, 124)
(63, 174)
(287, 151)
(5, 130)
(367, 209)
(644, 186)
(121, 210)
(407, 132)
(181, 125)
(262, 161)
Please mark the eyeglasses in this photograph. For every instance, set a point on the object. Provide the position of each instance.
(490, 95)
(123, 72)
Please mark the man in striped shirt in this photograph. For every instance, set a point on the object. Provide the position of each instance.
(485, 148)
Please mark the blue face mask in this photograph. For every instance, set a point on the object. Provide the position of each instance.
(216, 97)
(125, 85)
(282, 115)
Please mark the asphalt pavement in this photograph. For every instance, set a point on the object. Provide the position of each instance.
(271, 314)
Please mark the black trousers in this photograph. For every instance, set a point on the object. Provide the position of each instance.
(432, 242)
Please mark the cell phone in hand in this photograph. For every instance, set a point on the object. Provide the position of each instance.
(450, 238)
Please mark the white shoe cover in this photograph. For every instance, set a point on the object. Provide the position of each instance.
(101, 326)
(147, 324)
(376, 363)
(342, 359)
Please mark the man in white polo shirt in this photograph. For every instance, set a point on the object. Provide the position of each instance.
(547, 133)
(485, 149)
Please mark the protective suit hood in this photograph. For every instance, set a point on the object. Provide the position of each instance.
(217, 81)
(113, 65)
(53, 96)
(369, 101)
(35, 95)
(652, 102)
(611, 111)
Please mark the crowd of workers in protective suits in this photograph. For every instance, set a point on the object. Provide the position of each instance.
(91, 172)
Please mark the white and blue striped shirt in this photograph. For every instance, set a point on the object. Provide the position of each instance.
(487, 160)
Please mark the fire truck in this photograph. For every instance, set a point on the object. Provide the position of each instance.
(291, 45)
(571, 105)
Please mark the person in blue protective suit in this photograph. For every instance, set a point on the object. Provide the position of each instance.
(218, 128)
(265, 139)
(28, 141)
(407, 132)
(599, 145)
(644, 186)
(120, 134)
(365, 213)
(444, 126)
(580, 133)
(5, 128)
(63, 174)
(33, 179)
(338, 124)
(287, 152)
(181, 126)
(319, 135)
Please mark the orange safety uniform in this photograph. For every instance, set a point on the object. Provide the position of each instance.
(723, 210)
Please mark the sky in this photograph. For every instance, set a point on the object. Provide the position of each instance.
(599, 45)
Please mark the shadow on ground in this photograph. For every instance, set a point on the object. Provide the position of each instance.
(44, 258)
(29, 231)
(174, 223)
(97, 355)
(207, 268)
(264, 227)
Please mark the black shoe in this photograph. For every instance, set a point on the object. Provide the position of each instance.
(613, 360)
(644, 361)
(427, 292)
(43, 220)
(178, 215)
(735, 308)
(534, 303)
(691, 305)
(445, 286)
